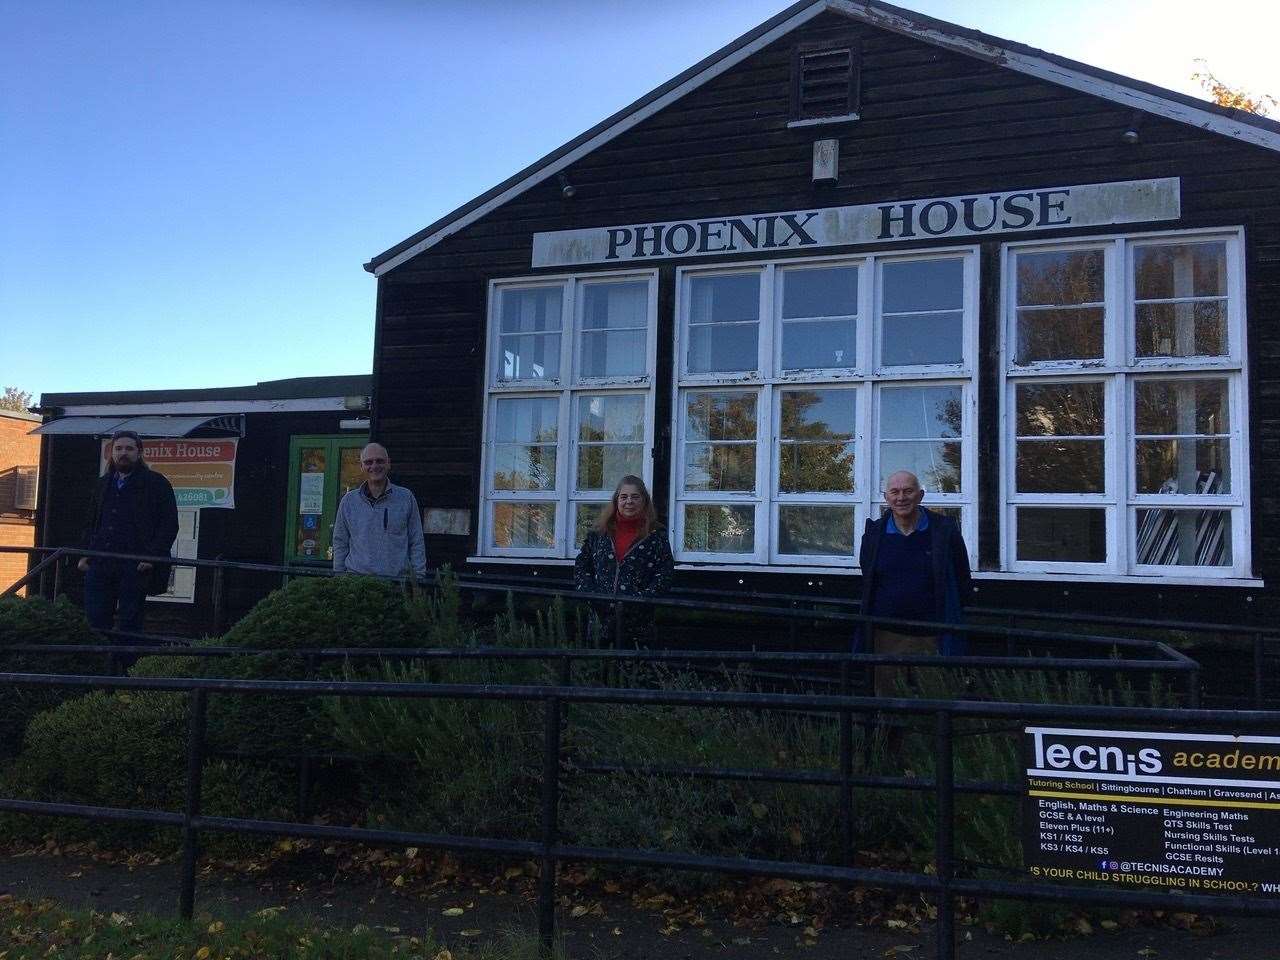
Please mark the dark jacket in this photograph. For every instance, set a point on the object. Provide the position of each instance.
(645, 571)
(951, 580)
(155, 513)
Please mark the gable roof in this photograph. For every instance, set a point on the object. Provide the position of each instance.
(1147, 97)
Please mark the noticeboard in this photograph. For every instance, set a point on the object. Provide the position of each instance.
(1196, 812)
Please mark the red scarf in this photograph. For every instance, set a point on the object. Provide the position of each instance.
(624, 534)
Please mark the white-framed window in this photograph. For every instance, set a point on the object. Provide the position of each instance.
(1125, 406)
(568, 406)
(801, 384)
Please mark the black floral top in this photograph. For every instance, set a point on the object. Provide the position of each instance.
(645, 571)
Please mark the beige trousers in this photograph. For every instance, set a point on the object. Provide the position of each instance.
(907, 644)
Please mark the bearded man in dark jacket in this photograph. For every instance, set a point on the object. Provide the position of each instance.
(132, 510)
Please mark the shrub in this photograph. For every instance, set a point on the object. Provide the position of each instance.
(38, 621)
(124, 750)
(129, 749)
(461, 766)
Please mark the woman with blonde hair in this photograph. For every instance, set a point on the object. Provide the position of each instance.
(628, 552)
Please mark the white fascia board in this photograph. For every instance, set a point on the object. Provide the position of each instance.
(302, 405)
(1061, 75)
(604, 136)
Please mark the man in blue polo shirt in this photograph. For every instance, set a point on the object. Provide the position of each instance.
(915, 566)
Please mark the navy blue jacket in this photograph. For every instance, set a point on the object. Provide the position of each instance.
(155, 516)
(952, 584)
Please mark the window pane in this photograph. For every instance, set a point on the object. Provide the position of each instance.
(909, 339)
(1060, 410)
(818, 414)
(1062, 534)
(526, 420)
(1183, 466)
(601, 467)
(1180, 270)
(1060, 466)
(533, 310)
(815, 530)
(1060, 278)
(818, 344)
(517, 467)
(1191, 538)
(825, 292)
(611, 418)
(1181, 407)
(727, 467)
(720, 416)
(525, 431)
(1193, 329)
(719, 528)
(920, 413)
(914, 286)
(806, 467)
(615, 305)
(724, 299)
(731, 348)
(531, 525)
(935, 464)
(613, 353)
(724, 323)
(585, 517)
(529, 356)
(1065, 333)
(816, 452)
(955, 513)
(610, 439)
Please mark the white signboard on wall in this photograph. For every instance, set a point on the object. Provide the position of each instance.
(1013, 211)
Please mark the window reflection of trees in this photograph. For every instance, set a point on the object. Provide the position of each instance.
(1060, 306)
(1060, 447)
(930, 448)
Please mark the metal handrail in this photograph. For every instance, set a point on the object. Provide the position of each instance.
(942, 884)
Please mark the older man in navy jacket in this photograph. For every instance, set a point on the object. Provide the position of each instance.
(915, 566)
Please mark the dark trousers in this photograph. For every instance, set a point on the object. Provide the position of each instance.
(114, 588)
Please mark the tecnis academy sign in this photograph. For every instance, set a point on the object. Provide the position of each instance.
(1198, 812)
(980, 214)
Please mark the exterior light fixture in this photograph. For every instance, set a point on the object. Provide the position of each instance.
(567, 189)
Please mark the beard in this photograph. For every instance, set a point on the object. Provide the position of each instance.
(124, 466)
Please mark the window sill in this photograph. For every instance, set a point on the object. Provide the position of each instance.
(822, 121)
(524, 561)
(1120, 579)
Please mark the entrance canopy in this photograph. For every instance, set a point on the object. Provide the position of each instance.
(231, 425)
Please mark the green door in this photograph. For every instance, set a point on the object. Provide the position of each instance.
(321, 470)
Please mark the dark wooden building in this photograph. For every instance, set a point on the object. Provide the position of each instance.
(257, 470)
(855, 240)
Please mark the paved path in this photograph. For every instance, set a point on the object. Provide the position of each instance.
(609, 928)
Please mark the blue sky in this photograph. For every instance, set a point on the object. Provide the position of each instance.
(188, 191)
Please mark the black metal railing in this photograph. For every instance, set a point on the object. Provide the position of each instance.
(943, 883)
(793, 610)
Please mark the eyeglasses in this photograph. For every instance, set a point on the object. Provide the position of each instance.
(370, 463)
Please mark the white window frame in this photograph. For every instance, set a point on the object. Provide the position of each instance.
(1121, 369)
(865, 377)
(566, 389)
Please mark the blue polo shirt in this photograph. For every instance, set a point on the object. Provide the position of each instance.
(904, 574)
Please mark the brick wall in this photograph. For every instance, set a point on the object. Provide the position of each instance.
(17, 527)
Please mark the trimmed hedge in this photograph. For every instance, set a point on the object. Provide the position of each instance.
(128, 748)
(38, 621)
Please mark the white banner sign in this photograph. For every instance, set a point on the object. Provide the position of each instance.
(1054, 208)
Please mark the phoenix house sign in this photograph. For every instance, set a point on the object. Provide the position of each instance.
(1088, 205)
